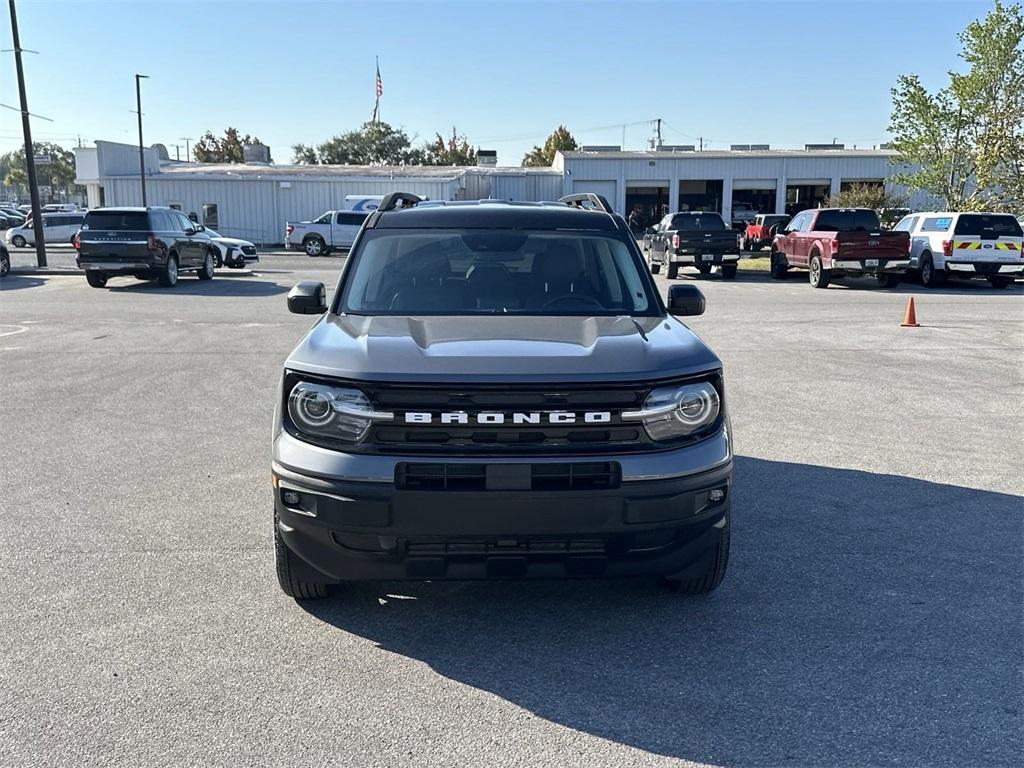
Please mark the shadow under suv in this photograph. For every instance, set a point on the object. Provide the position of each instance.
(497, 390)
(147, 243)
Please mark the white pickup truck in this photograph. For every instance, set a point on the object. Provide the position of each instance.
(334, 230)
(946, 244)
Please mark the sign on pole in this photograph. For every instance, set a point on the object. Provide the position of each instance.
(42, 159)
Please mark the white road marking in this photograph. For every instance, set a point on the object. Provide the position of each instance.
(4, 330)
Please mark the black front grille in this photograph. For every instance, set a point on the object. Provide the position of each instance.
(567, 476)
(608, 434)
(249, 250)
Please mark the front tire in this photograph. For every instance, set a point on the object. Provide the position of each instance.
(314, 247)
(778, 266)
(999, 281)
(819, 276)
(708, 580)
(206, 271)
(728, 271)
(673, 271)
(18, 241)
(168, 277)
(5, 265)
(96, 279)
(887, 281)
(289, 568)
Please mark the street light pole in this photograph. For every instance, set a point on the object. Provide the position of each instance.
(30, 156)
(142, 154)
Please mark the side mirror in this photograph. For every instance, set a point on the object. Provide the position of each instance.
(685, 300)
(191, 231)
(651, 230)
(308, 298)
(200, 228)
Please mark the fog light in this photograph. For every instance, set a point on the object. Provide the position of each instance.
(291, 498)
(716, 495)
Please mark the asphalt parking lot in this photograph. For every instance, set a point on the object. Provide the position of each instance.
(871, 614)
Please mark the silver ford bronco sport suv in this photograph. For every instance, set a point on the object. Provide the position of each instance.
(496, 390)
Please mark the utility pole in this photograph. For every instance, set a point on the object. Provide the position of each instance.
(701, 143)
(188, 149)
(177, 153)
(142, 154)
(30, 156)
(658, 146)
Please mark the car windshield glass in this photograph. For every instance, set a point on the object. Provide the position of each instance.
(847, 221)
(212, 232)
(450, 272)
(703, 223)
(987, 225)
(116, 220)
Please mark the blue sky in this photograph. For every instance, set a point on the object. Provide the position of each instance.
(506, 74)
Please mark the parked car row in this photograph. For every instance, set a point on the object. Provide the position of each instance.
(833, 243)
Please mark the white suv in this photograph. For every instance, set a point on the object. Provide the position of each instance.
(949, 244)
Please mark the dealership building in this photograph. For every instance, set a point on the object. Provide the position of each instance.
(254, 200)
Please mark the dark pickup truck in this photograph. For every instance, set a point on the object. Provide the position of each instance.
(697, 239)
(840, 242)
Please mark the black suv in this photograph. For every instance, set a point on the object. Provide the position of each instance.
(149, 243)
(497, 390)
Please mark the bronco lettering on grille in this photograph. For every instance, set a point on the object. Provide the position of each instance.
(497, 418)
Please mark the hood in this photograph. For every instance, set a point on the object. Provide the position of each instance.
(501, 349)
(230, 241)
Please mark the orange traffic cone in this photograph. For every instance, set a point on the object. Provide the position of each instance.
(910, 317)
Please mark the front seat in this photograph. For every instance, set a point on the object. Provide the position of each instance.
(557, 273)
(490, 287)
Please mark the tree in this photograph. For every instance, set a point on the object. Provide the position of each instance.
(456, 150)
(210, 149)
(560, 140)
(866, 196)
(965, 142)
(304, 155)
(59, 174)
(371, 144)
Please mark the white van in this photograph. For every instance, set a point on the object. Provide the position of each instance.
(57, 228)
(947, 244)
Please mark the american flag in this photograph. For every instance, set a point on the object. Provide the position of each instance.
(380, 83)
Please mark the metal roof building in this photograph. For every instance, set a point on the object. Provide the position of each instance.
(254, 200)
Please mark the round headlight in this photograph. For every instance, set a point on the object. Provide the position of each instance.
(673, 412)
(335, 413)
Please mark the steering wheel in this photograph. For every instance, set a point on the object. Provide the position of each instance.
(574, 297)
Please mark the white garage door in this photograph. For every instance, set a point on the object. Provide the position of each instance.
(604, 188)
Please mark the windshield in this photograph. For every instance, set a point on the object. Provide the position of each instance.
(447, 272)
(698, 223)
(212, 232)
(847, 221)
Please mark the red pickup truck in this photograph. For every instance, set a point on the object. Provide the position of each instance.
(759, 233)
(840, 242)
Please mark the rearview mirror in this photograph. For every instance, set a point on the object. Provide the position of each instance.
(685, 300)
(308, 298)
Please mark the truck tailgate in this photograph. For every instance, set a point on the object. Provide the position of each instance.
(873, 245)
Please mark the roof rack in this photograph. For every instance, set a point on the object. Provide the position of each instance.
(587, 201)
(393, 202)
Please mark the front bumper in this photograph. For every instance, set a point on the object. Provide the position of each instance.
(865, 267)
(353, 531)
